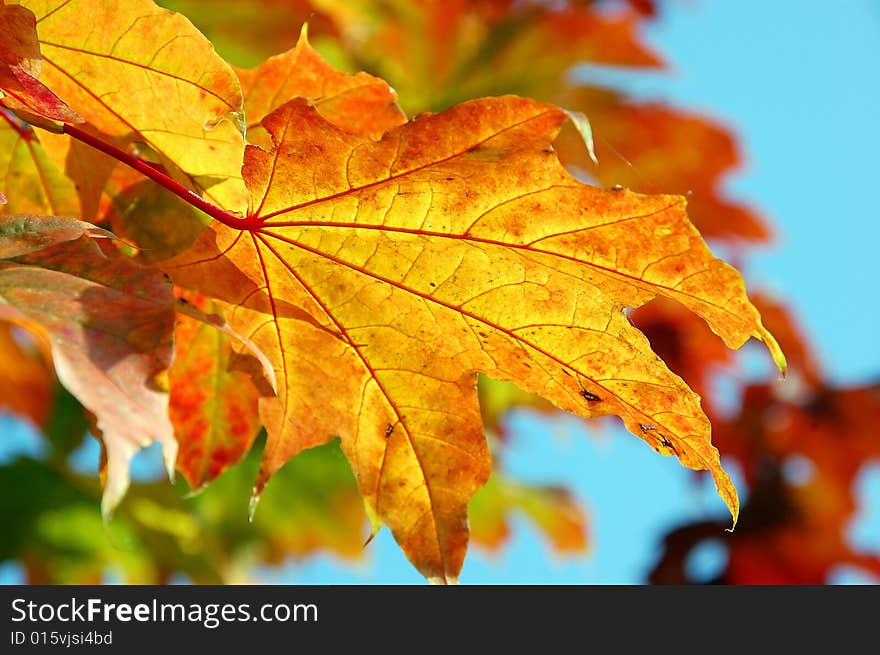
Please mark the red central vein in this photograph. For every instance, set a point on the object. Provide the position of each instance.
(486, 322)
(148, 170)
(372, 372)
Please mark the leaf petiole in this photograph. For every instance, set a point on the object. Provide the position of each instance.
(161, 178)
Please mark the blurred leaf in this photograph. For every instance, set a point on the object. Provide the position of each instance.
(311, 505)
(248, 33)
(26, 378)
(794, 529)
(110, 323)
(52, 524)
(553, 510)
(438, 54)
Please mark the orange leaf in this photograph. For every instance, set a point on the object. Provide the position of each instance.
(552, 509)
(110, 324)
(360, 103)
(385, 274)
(213, 408)
(26, 378)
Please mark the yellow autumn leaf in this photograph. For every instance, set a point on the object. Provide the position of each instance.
(381, 277)
(34, 184)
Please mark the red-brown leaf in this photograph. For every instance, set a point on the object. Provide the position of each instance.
(110, 323)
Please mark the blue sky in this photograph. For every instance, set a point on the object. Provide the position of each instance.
(799, 83)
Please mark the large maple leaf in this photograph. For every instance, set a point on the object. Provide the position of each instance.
(380, 277)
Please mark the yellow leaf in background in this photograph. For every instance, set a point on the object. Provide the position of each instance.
(33, 182)
(139, 73)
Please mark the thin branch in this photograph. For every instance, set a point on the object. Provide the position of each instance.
(161, 178)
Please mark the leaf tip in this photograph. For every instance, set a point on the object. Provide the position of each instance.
(442, 580)
(734, 513)
(169, 456)
(114, 491)
(775, 352)
(582, 124)
(252, 504)
(727, 491)
(303, 35)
